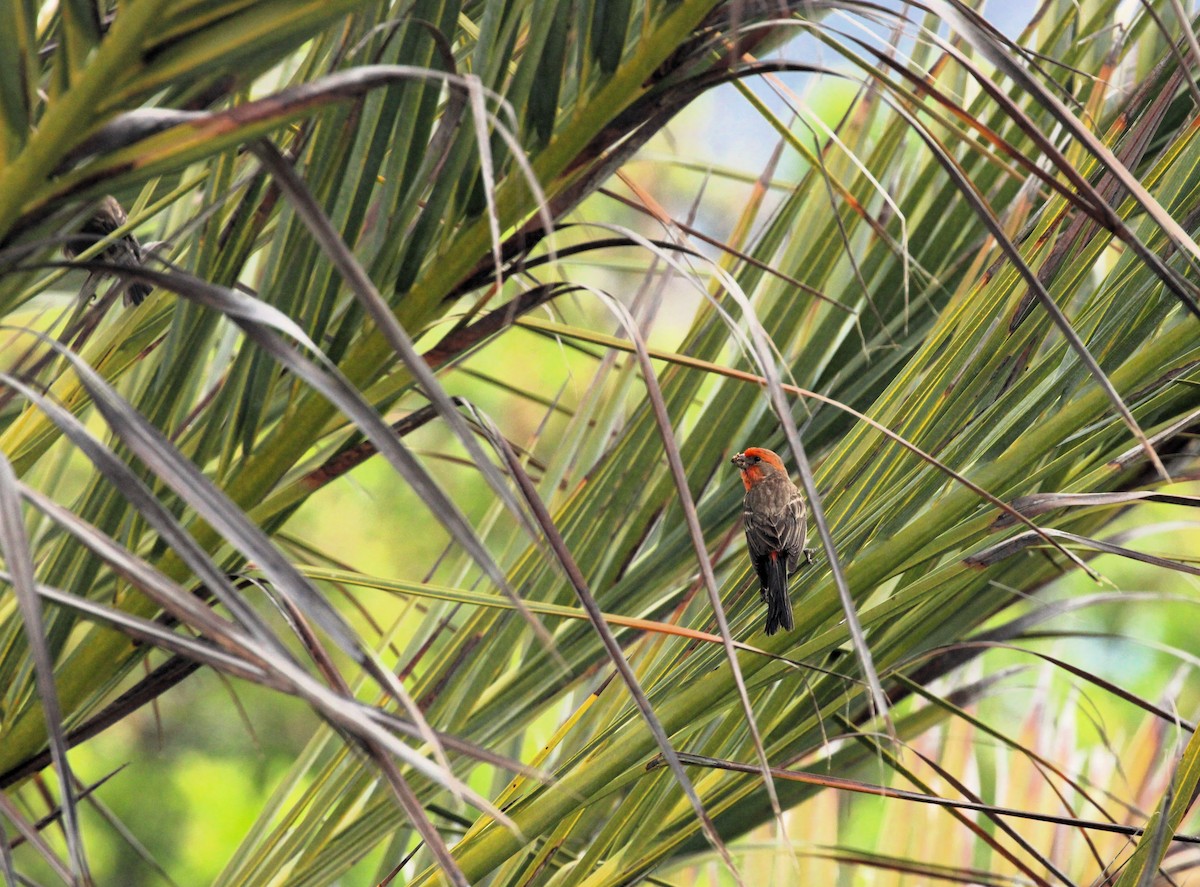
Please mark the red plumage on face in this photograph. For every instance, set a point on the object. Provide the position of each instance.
(768, 456)
(751, 466)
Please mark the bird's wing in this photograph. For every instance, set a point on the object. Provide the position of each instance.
(762, 535)
(793, 531)
(760, 542)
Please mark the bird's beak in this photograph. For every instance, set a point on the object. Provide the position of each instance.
(739, 460)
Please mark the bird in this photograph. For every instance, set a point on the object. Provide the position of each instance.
(108, 217)
(776, 522)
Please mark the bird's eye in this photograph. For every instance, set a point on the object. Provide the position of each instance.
(756, 458)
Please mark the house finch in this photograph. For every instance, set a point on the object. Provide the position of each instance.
(108, 217)
(776, 529)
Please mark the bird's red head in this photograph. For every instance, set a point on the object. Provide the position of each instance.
(756, 463)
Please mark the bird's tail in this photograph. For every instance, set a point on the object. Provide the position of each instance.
(779, 603)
